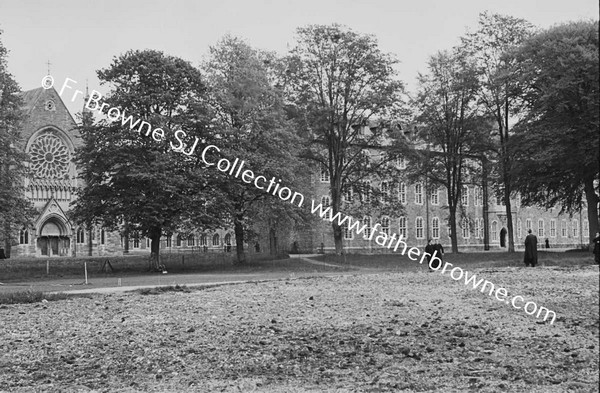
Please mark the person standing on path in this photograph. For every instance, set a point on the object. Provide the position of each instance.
(597, 248)
(530, 257)
(437, 247)
(429, 249)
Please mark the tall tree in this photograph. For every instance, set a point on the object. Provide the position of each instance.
(496, 35)
(15, 210)
(339, 81)
(452, 128)
(557, 146)
(134, 180)
(250, 121)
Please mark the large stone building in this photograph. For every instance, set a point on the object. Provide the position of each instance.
(425, 215)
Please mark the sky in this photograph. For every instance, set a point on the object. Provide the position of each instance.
(79, 37)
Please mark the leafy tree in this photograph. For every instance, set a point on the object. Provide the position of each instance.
(250, 121)
(15, 209)
(557, 146)
(452, 127)
(496, 35)
(134, 180)
(339, 81)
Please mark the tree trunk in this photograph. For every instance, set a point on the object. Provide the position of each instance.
(592, 209)
(239, 238)
(453, 235)
(509, 221)
(126, 240)
(154, 263)
(338, 238)
(7, 239)
(90, 244)
(507, 179)
(486, 218)
(336, 202)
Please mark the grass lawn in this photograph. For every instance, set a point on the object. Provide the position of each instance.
(12, 270)
(473, 260)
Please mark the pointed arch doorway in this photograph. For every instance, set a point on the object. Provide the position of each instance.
(54, 239)
(503, 233)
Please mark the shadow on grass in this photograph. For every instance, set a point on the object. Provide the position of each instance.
(159, 290)
(24, 297)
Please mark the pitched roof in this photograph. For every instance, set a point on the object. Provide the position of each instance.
(30, 97)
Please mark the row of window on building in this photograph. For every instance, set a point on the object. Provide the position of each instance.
(468, 228)
(365, 194)
(190, 240)
(180, 240)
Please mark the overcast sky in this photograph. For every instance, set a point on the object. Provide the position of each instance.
(80, 37)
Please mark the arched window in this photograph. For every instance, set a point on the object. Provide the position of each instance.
(169, 240)
(227, 239)
(419, 228)
(366, 222)
(575, 228)
(435, 196)
(216, 240)
(494, 231)
(541, 228)
(402, 227)
(519, 228)
(402, 193)
(365, 192)
(348, 234)
(465, 196)
(385, 225)
(324, 174)
(24, 236)
(203, 240)
(325, 203)
(385, 191)
(466, 231)
(419, 194)
(191, 240)
(80, 236)
(179, 240)
(136, 240)
(435, 228)
(102, 236)
(481, 228)
(348, 195)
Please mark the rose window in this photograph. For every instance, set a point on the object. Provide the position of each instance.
(49, 157)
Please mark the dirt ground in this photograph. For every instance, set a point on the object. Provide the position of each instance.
(411, 331)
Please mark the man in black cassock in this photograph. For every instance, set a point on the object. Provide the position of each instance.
(440, 252)
(429, 250)
(597, 248)
(530, 257)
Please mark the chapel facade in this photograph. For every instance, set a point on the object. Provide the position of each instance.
(50, 136)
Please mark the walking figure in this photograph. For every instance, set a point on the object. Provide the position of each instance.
(440, 253)
(530, 257)
(429, 249)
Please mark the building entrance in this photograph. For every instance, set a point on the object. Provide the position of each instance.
(53, 239)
